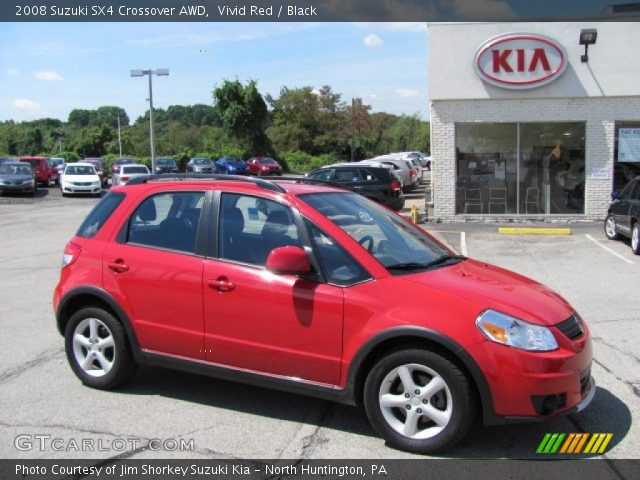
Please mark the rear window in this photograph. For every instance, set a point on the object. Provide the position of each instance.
(134, 169)
(100, 214)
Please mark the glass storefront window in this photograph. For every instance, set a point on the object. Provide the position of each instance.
(627, 154)
(486, 166)
(526, 168)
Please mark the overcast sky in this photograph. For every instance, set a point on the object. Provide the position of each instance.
(46, 70)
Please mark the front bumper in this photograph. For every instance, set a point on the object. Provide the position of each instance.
(28, 188)
(72, 189)
(530, 386)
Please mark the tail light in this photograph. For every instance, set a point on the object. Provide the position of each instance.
(413, 172)
(71, 254)
(395, 185)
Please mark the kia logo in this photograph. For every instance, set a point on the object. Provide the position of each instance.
(520, 60)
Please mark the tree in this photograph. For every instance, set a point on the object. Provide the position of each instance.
(243, 114)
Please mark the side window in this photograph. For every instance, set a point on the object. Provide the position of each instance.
(250, 227)
(100, 214)
(368, 176)
(348, 175)
(337, 265)
(322, 174)
(626, 191)
(167, 220)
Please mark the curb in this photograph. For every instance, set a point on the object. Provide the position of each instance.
(534, 231)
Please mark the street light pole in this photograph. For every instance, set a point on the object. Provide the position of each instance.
(150, 73)
(119, 138)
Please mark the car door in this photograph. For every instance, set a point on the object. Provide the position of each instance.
(255, 320)
(156, 275)
(324, 174)
(620, 208)
(634, 204)
(349, 178)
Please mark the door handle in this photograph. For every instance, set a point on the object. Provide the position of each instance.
(221, 284)
(118, 266)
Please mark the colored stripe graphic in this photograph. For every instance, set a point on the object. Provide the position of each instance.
(596, 443)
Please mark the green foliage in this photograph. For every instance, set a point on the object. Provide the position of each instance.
(301, 162)
(302, 128)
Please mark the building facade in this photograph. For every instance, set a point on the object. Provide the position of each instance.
(524, 127)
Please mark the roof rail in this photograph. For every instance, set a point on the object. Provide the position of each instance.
(310, 181)
(168, 177)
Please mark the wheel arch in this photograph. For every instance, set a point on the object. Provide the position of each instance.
(406, 337)
(86, 296)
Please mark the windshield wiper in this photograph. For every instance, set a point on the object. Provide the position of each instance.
(410, 266)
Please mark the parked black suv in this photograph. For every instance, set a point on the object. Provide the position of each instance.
(376, 183)
(624, 213)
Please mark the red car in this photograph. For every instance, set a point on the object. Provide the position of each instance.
(264, 166)
(44, 173)
(318, 291)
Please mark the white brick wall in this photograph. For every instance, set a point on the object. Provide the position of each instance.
(600, 115)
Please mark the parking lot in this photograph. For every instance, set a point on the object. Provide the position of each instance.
(39, 395)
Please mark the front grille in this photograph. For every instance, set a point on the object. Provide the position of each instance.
(82, 184)
(571, 327)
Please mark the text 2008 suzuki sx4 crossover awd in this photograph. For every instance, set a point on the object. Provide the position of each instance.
(315, 290)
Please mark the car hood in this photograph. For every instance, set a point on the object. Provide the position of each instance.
(493, 287)
(14, 178)
(80, 178)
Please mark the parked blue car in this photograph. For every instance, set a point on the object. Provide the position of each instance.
(232, 166)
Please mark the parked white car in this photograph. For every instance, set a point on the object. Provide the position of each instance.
(80, 178)
(127, 172)
(423, 159)
(406, 170)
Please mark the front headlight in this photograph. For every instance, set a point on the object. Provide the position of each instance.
(501, 328)
(27, 182)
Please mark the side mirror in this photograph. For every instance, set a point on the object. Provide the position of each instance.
(288, 261)
(615, 196)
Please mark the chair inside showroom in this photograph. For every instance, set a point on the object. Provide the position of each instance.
(532, 200)
(498, 198)
(472, 198)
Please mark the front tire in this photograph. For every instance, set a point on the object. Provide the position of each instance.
(419, 401)
(635, 239)
(610, 228)
(98, 349)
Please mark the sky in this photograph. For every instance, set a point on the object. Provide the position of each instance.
(48, 69)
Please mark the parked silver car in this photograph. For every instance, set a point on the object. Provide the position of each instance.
(127, 172)
(405, 169)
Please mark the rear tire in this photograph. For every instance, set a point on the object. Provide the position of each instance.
(419, 401)
(98, 349)
(610, 228)
(635, 239)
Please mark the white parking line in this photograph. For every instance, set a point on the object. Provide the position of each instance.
(463, 244)
(615, 254)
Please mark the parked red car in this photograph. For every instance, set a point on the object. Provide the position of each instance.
(264, 166)
(45, 173)
(318, 291)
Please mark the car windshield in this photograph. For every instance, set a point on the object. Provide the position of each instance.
(232, 160)
(15, 170)
(266, 160)
(134, 169)
(96, 163)
(34, 163)
(123, 161)
(54, 162)
(165, 161)
(201, 161)
(396, 244)
(80, 170)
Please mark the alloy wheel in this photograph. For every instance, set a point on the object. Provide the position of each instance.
(94, 347)
(634, 238)
(415, 401)
(611, 227)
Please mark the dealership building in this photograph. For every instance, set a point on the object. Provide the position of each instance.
(532, 120)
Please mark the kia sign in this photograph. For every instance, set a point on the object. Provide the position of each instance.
(520, 60)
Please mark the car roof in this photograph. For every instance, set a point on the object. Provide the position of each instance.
(250, 184)
(80, 164)
(15, 163)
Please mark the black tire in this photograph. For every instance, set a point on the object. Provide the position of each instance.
(124, 364)
(635, 234)
(464, 404)
(609, 228)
